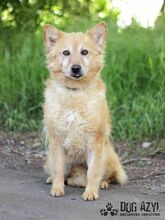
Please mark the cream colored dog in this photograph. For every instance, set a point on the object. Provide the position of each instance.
(76, 116)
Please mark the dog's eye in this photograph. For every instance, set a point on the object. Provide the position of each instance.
(84, 52)
(66, 52)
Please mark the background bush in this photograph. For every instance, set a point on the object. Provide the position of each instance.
(134, 70)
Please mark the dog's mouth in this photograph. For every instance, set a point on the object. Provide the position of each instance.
(77, 76)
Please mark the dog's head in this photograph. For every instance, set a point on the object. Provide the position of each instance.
(75, 58)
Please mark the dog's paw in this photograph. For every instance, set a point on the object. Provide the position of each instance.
(58, 192)
(90, 195)
(103, 212)
(104, 184)
(114, 212)
(109, 206)
(49, 180)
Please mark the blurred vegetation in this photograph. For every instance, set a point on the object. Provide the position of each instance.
(29, 14)
(134, 69)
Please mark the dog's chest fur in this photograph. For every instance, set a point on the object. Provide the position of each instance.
(70, 114)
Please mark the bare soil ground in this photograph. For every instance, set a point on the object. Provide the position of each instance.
(22, 154)
(18, 151)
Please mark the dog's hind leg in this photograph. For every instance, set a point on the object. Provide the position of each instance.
(49, 180)
(47, 170)
(104, 184)
(77, 177)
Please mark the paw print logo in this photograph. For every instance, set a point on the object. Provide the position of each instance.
(103, 212)
(114, 212)
(109, 210)
(109, 206)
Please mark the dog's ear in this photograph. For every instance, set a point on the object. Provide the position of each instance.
(51, 36)
(98, 34)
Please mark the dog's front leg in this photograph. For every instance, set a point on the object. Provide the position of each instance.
(94, 158)
(57, 158)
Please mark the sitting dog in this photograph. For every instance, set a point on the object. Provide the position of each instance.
(77, 122)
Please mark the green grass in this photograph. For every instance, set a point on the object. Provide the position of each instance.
(134, 73)
(22, 75)
(135, 77)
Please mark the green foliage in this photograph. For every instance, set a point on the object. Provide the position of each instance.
(134, 73)
(30, 14)
(135, 76)
(22, 74)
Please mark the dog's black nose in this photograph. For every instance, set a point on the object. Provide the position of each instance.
(76, 71)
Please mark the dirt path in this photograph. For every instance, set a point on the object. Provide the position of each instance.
(24, 194)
